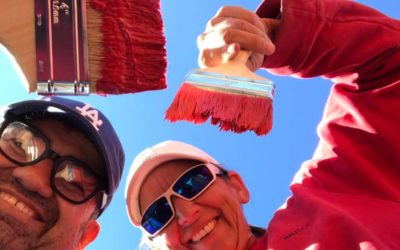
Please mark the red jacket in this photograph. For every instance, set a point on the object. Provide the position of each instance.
(348, 195)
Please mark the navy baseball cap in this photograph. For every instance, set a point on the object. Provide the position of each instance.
(90, 121)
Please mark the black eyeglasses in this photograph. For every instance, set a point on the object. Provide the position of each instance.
(189, 185)
(70, 178)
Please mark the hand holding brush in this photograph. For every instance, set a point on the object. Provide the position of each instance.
(225, 90)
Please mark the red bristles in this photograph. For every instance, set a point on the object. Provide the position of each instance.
(133, 55)
(230, 111)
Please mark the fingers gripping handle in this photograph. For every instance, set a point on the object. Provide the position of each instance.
(235, 66)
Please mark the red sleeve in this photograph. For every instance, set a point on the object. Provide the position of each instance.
(335, 39)
(347, 196)
(359, 49)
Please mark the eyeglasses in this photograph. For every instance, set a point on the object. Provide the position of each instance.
(190, 184)
(70, 178)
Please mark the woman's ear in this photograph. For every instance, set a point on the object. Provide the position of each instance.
(239, 187)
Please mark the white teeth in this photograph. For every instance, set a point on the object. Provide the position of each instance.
(10, 199)
(22, 207)
(203, 232)
(26, 210)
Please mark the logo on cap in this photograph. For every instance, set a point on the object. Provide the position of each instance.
(92, 115)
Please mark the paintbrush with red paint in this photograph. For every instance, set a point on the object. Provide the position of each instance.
(77, 47)
(230, 95)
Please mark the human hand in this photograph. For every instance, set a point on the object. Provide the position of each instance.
(234, 28)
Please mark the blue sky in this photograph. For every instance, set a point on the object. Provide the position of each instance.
(267, 164)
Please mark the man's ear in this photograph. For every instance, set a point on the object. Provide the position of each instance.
(239, 187)
(89, 234)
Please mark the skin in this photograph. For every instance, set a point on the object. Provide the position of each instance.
(234, 28)
(221, 202)
(57, 224)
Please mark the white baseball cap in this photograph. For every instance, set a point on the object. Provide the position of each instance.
(149, 159)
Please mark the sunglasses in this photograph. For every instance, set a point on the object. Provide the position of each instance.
(72, 179)
(189, 185)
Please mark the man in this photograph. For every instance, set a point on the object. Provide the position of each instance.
(60, 164)
(347, 196)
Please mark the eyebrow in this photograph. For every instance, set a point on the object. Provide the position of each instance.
(79, 137)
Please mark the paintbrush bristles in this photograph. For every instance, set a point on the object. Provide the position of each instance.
(230, 95)
(95, 41)
(134, 57)
(17, 34)
(229, 111)
(125, 44)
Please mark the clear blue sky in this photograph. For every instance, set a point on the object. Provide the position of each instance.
(267, 163)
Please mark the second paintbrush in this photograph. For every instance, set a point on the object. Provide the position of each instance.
(233, 97)
(77, 47)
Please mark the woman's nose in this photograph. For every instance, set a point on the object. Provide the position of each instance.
(186, 211)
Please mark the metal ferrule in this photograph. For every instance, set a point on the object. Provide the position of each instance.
(240, 85)
(61, 88)
(61, 47)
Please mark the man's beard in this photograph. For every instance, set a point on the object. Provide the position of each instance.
(12, 234)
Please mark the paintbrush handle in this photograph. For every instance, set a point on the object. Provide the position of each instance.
(235, 67)
(17, 34)
(55, 62)
(241, 58)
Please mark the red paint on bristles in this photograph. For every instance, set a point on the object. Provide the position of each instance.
(230, 111)
(134, 55)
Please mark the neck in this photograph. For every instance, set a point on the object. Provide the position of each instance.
(252, 240)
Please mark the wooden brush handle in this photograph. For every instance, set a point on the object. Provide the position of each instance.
(236, 67)
(17, 34)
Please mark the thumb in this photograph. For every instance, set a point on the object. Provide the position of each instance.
(255, 61)
(216, 56)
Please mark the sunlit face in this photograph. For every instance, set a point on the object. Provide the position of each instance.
(214, 220)
(32, 215)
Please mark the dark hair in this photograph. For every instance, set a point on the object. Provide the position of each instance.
(257, 231)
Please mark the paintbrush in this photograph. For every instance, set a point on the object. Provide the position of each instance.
(235, 98)
(77, 47)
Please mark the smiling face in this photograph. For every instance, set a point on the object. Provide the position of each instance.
(32, 215)
(214, 220)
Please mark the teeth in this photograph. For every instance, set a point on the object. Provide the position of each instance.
(10, 199)
(22, 207)
(203, 232)
(26, 210)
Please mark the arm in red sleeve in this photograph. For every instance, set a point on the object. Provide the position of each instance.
(359, 49)
(337, 39)
(347, 196)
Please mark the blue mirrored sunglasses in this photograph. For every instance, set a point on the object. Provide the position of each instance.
(188, 186)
